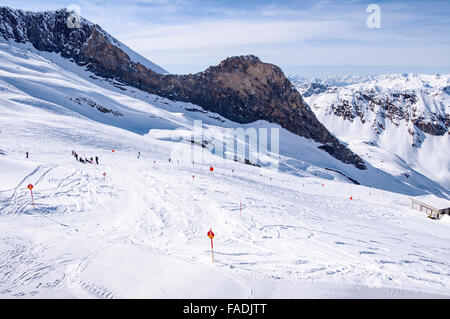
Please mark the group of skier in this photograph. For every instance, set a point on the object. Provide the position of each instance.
(84, 160)
(91, 160)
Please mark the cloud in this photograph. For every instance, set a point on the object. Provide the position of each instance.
(224, 33)
(198, 33)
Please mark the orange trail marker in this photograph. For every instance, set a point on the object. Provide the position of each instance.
(211, 235)
(30, 187)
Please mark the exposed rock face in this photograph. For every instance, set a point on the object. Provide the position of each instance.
(47, 31)
(242, 89)
(421, 102)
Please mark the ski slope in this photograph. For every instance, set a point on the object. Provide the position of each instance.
(141, 233)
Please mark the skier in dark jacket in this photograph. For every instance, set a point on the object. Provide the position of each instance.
(26, 154)
(96, 160)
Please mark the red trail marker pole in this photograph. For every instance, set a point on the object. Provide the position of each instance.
(30, 187)
(104, 177)
(211, 235)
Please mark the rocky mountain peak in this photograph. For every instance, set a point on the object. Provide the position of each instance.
(238, 61)
(242, 89)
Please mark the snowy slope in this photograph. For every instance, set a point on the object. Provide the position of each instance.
(142, 232)
(400, 120)
(134, 56)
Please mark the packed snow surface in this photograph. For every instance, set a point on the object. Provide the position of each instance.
(298, 230)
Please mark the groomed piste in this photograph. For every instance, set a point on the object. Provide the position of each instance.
(299, 231)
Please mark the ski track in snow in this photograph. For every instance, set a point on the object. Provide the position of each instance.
(313, 236)
(142, 232)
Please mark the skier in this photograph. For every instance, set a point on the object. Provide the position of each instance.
(76, 156)
(92, 160)
(139, 154)
(26, 154)
(96, 159)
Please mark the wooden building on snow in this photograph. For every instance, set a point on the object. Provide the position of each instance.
(432, 205)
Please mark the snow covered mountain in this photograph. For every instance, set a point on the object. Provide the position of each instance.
(387, 116)
(304, 228)
(242, 89)
(49, 31)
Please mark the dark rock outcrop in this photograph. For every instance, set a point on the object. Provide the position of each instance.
(396, 104)
(242, 89)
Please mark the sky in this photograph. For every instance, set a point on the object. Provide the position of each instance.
(311, 38)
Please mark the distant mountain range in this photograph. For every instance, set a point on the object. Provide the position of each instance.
(405, 114)
(397, 124)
